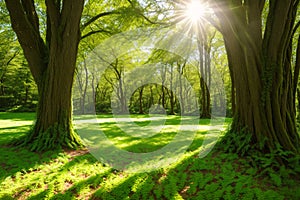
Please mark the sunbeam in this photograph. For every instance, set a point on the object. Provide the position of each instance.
(195, 10)
(193, 14)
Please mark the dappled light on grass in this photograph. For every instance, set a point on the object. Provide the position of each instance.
(4, 124)
(125, 143)
(78, 175)
(153, 142)
(13, 125)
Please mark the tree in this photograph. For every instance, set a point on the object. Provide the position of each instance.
(204, 47)
(51, 54)
(259, 55)
(180, 69)
(171, 90)
(52, 64)
(83, 81)
(117, 83)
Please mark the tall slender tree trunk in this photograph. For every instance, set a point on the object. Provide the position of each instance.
(2, 87)
(262, 73)
(163, 93)
(170, 91)
(141, 110)
(52, 64)
(203, 76)
(151, 98)
(180, 69)
(85, 88)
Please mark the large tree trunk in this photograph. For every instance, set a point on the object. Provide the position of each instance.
(52, 64)
(262, 74)
(54, 115)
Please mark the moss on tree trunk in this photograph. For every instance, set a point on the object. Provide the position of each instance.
(53, 127)
(263, 77)
(52, 63)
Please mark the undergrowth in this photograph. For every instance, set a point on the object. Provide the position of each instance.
(279, 165)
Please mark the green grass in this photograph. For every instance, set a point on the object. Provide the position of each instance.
(78, 175)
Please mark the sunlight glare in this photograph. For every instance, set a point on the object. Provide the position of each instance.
(194, 14)
(195, 10)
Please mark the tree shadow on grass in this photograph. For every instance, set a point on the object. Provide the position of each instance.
(130, 143)
(9, 134)
(91, 183)
(113, 185)
(17, 159)
(20, 161)
(109, 186)
(72, 189)
(124, 189)
(14, 159)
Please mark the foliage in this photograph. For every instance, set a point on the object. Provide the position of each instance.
(278, 164)
(17, 87)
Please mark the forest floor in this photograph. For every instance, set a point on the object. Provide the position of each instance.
(66, 174)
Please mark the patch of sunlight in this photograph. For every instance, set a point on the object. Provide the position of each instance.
(12, 123)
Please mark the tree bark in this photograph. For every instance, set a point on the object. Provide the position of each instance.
(52, 64)
(232, 92)
(261, 73)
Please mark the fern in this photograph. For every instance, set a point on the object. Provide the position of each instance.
(276, 179)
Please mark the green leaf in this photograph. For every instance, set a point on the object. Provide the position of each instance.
(276, 179)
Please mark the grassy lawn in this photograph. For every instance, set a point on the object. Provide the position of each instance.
(78, 175)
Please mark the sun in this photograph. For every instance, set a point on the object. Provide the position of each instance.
(195, 10)
(193, 15)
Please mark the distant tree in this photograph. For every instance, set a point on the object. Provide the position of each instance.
(205, 38)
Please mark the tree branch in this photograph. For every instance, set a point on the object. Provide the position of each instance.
(150, 21)
(29, 9)
(144, 16)
(15, 54)
(24, 22)
(53, 12)
(95, 18)
(94, 32)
